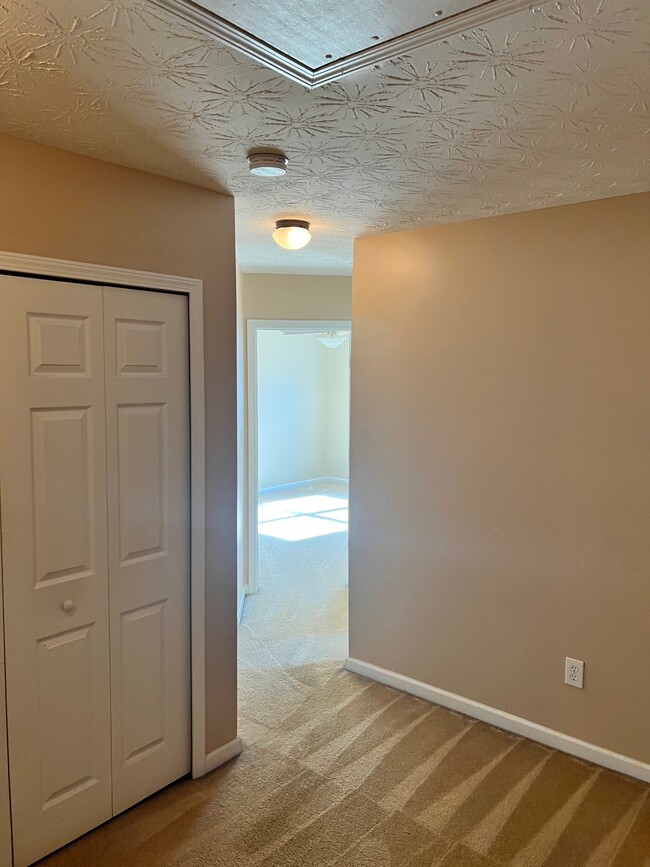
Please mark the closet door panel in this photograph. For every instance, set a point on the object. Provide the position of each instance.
(147, 390)
(53, 466)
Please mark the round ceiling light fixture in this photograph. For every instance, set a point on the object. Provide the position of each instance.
(267, 165)
(333, 339)
(292, 234)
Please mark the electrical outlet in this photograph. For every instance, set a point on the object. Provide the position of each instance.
(574, 672)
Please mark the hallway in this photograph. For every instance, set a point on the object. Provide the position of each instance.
(338, 770)
(293, 633)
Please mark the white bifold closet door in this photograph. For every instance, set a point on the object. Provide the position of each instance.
(94, 475)
(55, 561)
(147, 425)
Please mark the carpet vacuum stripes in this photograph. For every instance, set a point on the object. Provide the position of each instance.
(339, 770)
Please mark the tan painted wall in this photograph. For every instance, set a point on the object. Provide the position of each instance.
(241, 456)
(500, 482)
(293, 296)
(338, 412)
(66, 206)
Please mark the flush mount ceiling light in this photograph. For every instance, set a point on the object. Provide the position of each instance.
(292, 234)
(267, 165)
(332, 339)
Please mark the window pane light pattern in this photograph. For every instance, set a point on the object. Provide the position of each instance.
(294, 520)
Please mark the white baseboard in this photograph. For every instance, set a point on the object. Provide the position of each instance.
(240, 606)
(222, 754)
(304, 483)
(301, 483)
(504, 720)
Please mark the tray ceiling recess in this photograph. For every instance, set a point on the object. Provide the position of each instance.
(315, 42)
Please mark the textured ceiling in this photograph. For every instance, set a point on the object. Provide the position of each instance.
(544, 107)
(320, 40)
(296, 27)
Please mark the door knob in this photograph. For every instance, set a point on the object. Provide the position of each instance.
(68, 606)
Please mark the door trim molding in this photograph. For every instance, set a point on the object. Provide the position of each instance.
(503, 720)
(83, 272)
(253, 326)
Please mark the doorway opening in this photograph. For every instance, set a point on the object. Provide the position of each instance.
(295, 613)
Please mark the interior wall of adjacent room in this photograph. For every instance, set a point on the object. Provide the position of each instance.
(303, 409)
(500, 500)
(66, 206)
(291, 402)
(337, 412)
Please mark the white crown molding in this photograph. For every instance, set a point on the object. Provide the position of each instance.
(278, 61)
(526, 728)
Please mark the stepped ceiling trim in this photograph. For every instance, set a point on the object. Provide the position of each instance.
(545, 106)
(282, 63)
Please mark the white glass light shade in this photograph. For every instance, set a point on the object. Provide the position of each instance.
(267, 165)
(332, 339)
(331, 342)
(292, 234)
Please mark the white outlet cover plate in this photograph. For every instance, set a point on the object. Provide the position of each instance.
(574, 672)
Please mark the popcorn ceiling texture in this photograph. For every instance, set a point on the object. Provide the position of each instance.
(544, 107)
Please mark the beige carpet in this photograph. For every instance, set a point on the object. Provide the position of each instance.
(339, 770)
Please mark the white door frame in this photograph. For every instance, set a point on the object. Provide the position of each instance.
(81, 272)
(250, 511)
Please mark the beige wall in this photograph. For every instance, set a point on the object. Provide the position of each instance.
(292, 296)
(66, 206)
(500, 483)
(338, 412)
(241, 457)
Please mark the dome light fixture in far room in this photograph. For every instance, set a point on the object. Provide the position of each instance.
(333, 339)
(292, 234)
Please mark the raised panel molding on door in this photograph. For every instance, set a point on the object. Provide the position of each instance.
(147, 406)
(53, 469)
(63, 471)
(142, 444)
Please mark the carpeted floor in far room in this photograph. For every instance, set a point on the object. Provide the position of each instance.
(338, 770)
